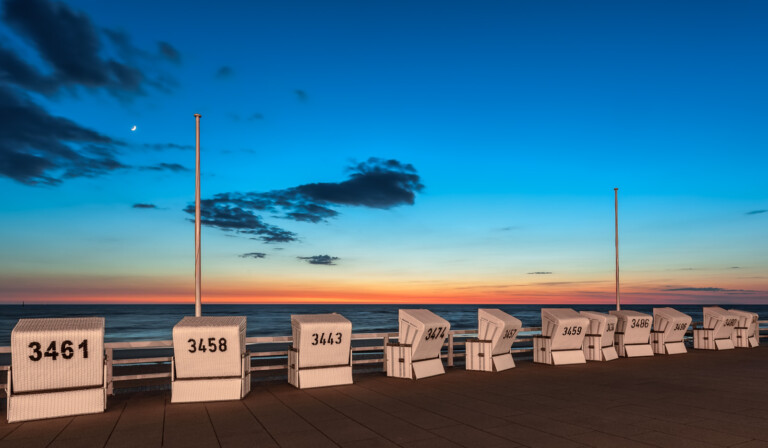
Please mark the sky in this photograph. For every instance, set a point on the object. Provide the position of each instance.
(384, 151)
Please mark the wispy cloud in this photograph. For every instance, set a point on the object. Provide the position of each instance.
(254, 255)
(301, 95)
(256, 116)
(166, 146)
(708, 289)
(376, 183)
(144, 206)
(173, 167)
(320, 259)
(224, 72)
(756, 212)
(539, 273)
(169, 52)
(37, 148)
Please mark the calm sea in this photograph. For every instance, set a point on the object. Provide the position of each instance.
(155, 322)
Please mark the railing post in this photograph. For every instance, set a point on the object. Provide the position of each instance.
(450, 349)
(109, 358)
(384, 357)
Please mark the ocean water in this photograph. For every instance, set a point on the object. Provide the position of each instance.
(155, 322)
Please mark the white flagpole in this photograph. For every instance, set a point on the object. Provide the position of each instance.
(198, 311)
(616, 214)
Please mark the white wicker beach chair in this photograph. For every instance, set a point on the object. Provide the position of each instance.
(747, 334)
(717, 330)
(633, 333)
(562, 336)
(496, 332)
(321, 354)
(669, 328)
(417, 353)
(57, 368)
(598, 343)
(210, 360)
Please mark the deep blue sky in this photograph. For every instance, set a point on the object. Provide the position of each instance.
(487, 139)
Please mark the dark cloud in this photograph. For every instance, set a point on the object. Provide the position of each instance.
(224, 72)
(254, 255)
(756, 212)
(173, 167)
(376, 183)
(71, 46)
(539, 273)
(144, 206)
(301, 95)
(165, 146)
(39, 148)
(320, 259)
(735, 267)
(235, 219)
(256, 116)
(14, 70)
(168, 52)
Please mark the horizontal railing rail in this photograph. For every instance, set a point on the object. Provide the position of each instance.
(272, 360)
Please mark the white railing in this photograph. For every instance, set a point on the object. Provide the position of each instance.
(278, 359)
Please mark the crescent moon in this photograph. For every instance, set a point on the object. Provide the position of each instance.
(133, 128)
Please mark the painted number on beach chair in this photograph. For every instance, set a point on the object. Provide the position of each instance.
(67, 350)
(682, 326)
(210, 346)
(509, 334)
(610, 326)
(323, 340)
(571, 331)
(435, 333)
(640, 323)
(730, 322)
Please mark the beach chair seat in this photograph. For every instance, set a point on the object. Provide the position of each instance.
(58, 368)
(210, 361)
(669, 329)
(417, 354)
(598, 343)
(633, 333)
(321, 354)
(490, 351)
(562, 337)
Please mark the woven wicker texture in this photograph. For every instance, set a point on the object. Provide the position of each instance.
(565, 327)
(217, 389)
(331, 376)
(601, 324)
(747, 320)
(198, 344)
(635, 325)
(673, 323)
(723, 322)
(56, 404)
(399, 364)
(424, 330)
(479, 356)
(50, 354)
(321, 339)
(498, 327)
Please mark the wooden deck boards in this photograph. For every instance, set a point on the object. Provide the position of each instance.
(702, 399)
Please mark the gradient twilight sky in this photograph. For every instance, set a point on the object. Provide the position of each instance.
(384, 151)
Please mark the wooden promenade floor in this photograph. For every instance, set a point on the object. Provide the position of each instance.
(702, 399)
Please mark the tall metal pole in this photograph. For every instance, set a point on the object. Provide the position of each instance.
(198, 311)
(616, 214)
